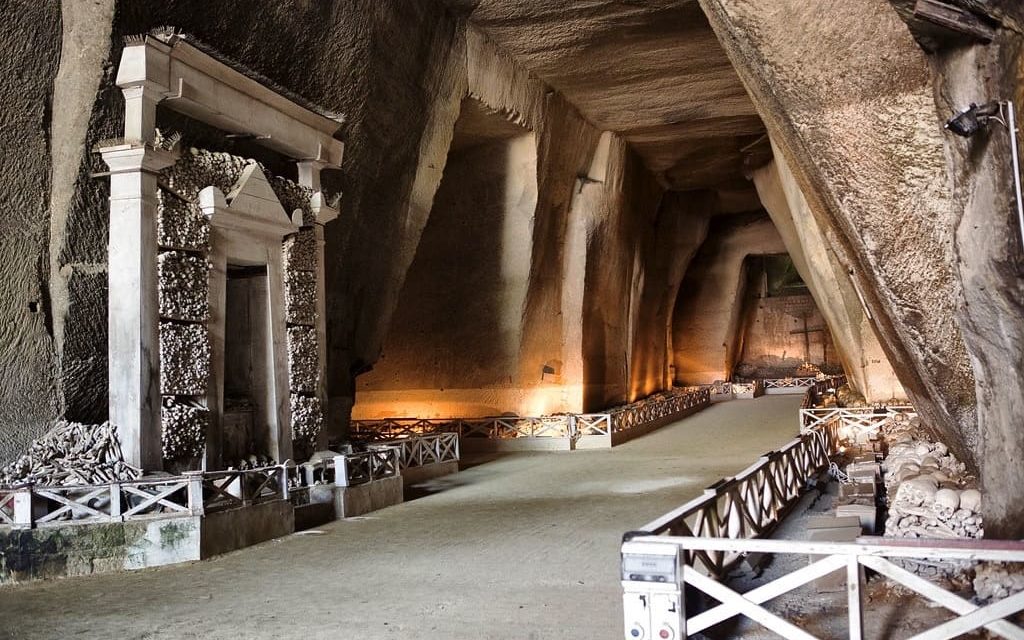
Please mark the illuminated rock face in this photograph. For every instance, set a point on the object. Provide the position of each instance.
(922, 220)
(642, 121)
(708, 326)
(829, 282)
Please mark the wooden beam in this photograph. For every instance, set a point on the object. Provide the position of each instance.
(954, 18)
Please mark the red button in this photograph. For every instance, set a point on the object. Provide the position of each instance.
(665, 633)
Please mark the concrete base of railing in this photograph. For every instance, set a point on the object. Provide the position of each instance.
(362, 498)
(416, 475)
(64, 550)
(234, 529)
(788, 391)
(504, 445)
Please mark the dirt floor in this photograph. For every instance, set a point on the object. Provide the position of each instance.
(522, 546)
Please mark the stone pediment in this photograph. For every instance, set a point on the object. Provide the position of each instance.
(250, 207)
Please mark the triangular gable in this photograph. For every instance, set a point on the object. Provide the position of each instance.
(253, 195)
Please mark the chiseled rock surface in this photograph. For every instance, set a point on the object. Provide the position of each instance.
(708, 313)
(913, 210)
(829, 282)
(29, 401)
(867, 150)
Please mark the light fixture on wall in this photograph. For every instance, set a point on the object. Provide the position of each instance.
(974, 118)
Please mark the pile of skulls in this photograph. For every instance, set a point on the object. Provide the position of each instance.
(180, 224)
(184, 359)
(996, 580)
(184, 290)
(307, 419)
(293, 196)
(809, 370)
(929, 494)
(184, 430)
(920, 509)
(300, 297)
(72, 454)
(199, 168)
(300, 251)
(303, 360)
(252, 461)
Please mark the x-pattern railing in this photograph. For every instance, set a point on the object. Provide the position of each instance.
(31, 505)
(418, 451)
(856, 419)
(869, 552)
(754, 501)
(593, 424)
(231, 489)
(657, 407)
(7, 507)
(192, 493)
(789, 383)
(572, 426)
(360, 468)
(394, 428)
(722, 526)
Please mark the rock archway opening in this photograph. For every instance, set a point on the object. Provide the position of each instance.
(455, 334)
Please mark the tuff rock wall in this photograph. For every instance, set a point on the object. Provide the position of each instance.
(30, 394)
(923, 220)
(773, 345)
(398, 71)
(707, 328)
(829, 282)
(524, 304)
(357, 58)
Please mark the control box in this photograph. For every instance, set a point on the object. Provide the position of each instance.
(652, 593)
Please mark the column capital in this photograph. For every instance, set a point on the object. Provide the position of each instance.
(324, 212)
(133, 157)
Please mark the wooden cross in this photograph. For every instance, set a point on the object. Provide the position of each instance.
(807, 337)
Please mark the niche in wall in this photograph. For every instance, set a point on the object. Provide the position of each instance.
(247, 343)
(783, 330)
(454, 340)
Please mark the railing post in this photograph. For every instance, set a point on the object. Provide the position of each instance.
(853, 598)
(115, 501)
(341, 471)
(23, 507)
(195, 492)
(283, 480)
(682, 592)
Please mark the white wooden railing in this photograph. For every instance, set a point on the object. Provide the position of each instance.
(571, 426)
(867, 552)
(424, 450)
(351, 469)
(796, 384)
(359, 468)
(856, 419)
(232, 489)
(751, 503)
(192, 493)
(724, 525)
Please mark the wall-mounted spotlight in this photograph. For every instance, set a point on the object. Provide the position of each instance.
(973, 118)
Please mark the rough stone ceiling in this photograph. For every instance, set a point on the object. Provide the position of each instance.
(651, 70)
